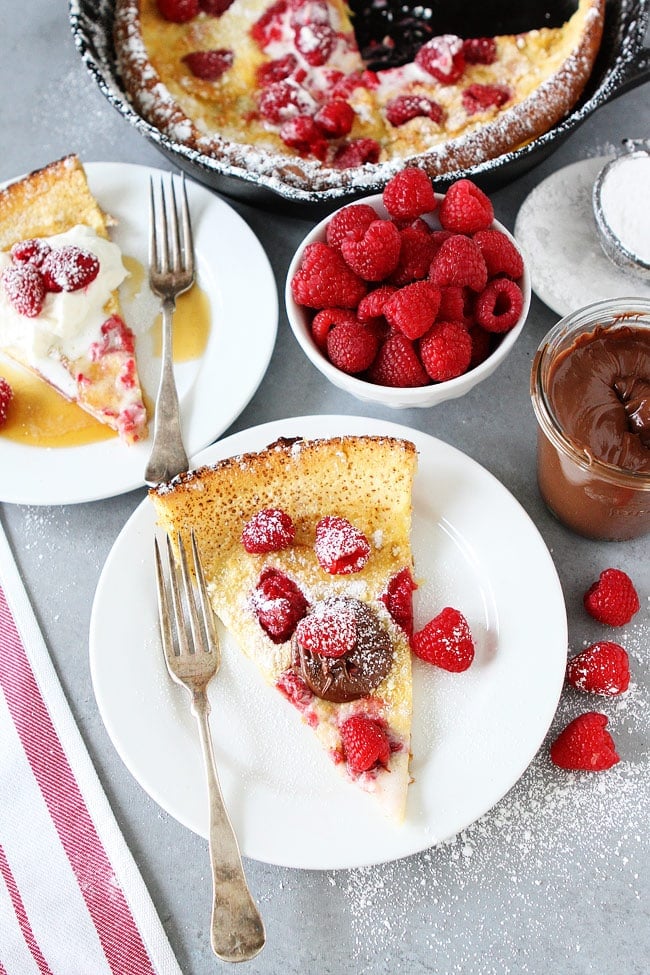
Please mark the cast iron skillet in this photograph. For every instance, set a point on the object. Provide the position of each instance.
(623, 63)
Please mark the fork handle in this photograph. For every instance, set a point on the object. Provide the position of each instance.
(168, 457)
(237, 931)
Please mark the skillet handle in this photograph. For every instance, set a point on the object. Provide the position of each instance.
(636, 73)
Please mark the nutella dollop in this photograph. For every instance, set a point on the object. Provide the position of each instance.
(599, 391)
(367, 659)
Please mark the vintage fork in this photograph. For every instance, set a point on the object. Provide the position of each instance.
(171, 272)
(193, 656)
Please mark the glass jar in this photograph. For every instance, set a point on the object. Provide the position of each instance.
(593, 443)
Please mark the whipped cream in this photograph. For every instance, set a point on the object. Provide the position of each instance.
(69, 322)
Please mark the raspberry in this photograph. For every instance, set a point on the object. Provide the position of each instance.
(459, 263)
(478, 98)
(277, 70)
(406, 107)
(446, 351)
(294, 688)
(465, 208)
(416, 253)
(32, 251)
(373, 254)
(25, 288)
(305, 13)
(584, 745)
(408, 194)
(452, 304)
(6, 396)
(209, 65)
(328, 632)
(116, 337)
(344, 85)
(354, 218)
(340, 547)
(365, 744)
(282, 100)
(215, 8)
(499, 306)
(500, 254)
(351, 347)
(481, 345)
(178, 11)
(445, 641)
(268, 27)
(356, 153)
(413, 308)
(324, 280)
(398, 599)
(269, 530)
(69, 268)
(612, 600)
(603, 668)
(303, 135)
(480, 50)
(397, 364)
(443, 58)
(335, 118)
(315, 42)
(326, 319)
(278, 603)
(372, 305)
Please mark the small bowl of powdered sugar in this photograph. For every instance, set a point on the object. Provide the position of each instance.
(621, 200)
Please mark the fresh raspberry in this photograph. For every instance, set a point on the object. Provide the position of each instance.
(584, 745)
(452, 304)
(351, 347)
(499, 306)
(178, 11)
(398, 599)
(32, 251)
(356, 153)
(6, 396)
(303, 135)
(278, 603)
(270, 72)
(209, 65)
(373, 254)
(69, 268)
(282, 100)
(269, 530)
(416, 253)
(365, 744)
(406, 107)
(413, 308)
(481, 345)
(340, 547)
(335, 118)
(324, 280)
(397, 364)
(268, 27)
(328, 632)
(344, 85)
(478, 98)
(408, 194)
(500, 253)
(603, 668)
(326, 319)
(215, 8)
(465, 208)
(438, 237)
(351, 219)
(446, 351)
(372, 305)
(612, 600)
(315, 42)
(445, 641)
(25, 288)
(293, 687)
(459, 263)
(480, 50)
(443, 58)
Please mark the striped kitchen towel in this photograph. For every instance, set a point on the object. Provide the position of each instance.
(72, 900)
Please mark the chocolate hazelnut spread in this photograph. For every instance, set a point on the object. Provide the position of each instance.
(360, 669)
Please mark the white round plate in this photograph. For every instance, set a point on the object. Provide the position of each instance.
(474, 733)
(556, 231)
(234, 272)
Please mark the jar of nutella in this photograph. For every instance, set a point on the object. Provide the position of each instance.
(590, 388)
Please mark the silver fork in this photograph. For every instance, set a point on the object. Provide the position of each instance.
(193, 657)
(171, 272)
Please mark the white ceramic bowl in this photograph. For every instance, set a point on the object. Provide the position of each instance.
(419, 396)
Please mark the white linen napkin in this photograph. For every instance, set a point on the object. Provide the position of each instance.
(72, 900)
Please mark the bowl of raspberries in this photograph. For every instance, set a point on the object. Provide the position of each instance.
(410, 297)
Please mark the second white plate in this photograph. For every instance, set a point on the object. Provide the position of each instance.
(474, 733)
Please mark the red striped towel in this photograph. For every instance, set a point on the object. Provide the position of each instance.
(72, 900)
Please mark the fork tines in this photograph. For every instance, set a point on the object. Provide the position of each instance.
(176, 249)
(185, 601)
